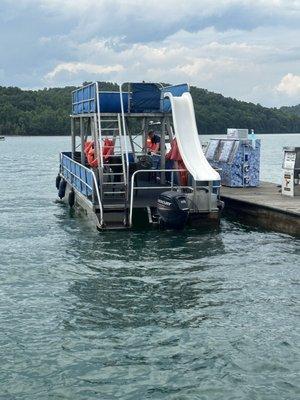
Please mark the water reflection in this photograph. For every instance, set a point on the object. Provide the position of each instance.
(133, 279)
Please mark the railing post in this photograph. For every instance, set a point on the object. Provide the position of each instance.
(163, 150)
(210, 183)
(98, 127)
(122, 151)
(125, 139)
(73, 137)
(82, 156)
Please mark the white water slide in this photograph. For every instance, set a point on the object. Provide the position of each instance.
(187, 137)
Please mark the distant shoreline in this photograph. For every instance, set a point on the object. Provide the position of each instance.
(201, 134)
(46, 112)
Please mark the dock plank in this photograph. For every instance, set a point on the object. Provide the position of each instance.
(264, 205)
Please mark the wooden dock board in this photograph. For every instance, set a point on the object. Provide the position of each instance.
(265, 206)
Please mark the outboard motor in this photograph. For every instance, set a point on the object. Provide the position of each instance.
(173, 210)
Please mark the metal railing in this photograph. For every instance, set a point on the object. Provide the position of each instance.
(125, 169)
(91, 188)
(171, 186)
(99, 136)
(125, 139)
(193, 188)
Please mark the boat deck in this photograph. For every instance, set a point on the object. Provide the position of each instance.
(142, 197)
(265, 206)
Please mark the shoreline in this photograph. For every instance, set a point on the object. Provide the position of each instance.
(201, 134)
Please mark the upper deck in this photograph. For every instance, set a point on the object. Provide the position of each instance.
(139, 99)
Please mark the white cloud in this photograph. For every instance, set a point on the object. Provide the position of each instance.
(290, 85)
(73, 68)
(239, 48)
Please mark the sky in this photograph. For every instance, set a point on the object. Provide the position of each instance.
(244, 49)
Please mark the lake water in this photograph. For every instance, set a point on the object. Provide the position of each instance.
(140, 315)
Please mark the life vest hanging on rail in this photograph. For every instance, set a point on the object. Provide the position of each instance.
(107, 151)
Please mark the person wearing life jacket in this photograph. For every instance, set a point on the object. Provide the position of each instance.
(153, 142)
(175, 156)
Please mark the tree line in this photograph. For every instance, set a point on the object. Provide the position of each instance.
(46, 112)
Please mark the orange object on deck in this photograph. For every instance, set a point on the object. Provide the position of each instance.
(152, 146)
(174, 155)
(107, 151)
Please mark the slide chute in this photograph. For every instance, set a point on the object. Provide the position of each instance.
(186, 133)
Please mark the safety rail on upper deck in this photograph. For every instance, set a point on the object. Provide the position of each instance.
(81, 179)
(139, 98)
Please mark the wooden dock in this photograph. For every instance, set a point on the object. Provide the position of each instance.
(264, 206)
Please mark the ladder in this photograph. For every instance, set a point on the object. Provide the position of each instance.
(112, 174)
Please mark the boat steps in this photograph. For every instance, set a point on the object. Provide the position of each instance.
(113, 183)
(113, 207)
(114, 227)
(113, 173)
(115, 192)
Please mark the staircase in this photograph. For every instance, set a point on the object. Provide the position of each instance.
(113, 186)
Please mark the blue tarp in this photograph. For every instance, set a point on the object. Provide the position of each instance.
(176, 90)
(111, 102)
(84, 101)
(145, 97)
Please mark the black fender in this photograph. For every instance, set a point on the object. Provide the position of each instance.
(62, 188)
(57, 181)
(71, 198)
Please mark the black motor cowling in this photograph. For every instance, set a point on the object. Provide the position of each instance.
(173, 210)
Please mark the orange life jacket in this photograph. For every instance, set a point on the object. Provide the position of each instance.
(89, 151)
(93, 162)
(108, 148)
(174, 154)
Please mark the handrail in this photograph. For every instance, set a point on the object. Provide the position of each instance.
(86, 184)
(122, 152)
(160, 187)
(99, 126)
(124, 136)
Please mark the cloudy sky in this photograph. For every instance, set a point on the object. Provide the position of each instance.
(240, 48)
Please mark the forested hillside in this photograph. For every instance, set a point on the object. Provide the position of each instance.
(46, 112)
(215, 113)
(292, 110)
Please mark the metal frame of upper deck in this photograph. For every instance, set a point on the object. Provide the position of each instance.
(86, 103)
(87, 107)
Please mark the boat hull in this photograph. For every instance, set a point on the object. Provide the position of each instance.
(142, 216)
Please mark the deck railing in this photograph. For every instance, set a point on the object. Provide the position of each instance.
(170, 187)
(210, 187)
(81, 179)
(126, 176)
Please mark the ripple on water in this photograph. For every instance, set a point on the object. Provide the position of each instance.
(154, 315)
